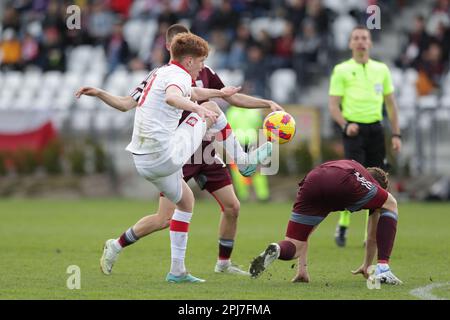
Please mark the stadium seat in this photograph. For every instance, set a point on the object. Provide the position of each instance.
(81, 120)
(72, 80)
(147, 36)
(12, 81)
(52, 80)
(397, 78)
(283, 83)
(342, 27)
(32, 79)
(275, 27)
(231, 77)
(410, 76)
(428, 102)
(132, 31)
(118, 82)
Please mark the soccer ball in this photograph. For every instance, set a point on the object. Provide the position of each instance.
(279, 126)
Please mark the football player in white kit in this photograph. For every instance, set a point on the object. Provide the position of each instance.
(160, 146)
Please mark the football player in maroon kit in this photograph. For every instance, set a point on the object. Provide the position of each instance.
(210, 174)
(334, 186)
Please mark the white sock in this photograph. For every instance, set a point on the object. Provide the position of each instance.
(179, 226)
(116, 245)
(230, 144)
(223, 263)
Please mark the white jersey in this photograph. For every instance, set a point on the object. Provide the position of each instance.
(155, 121)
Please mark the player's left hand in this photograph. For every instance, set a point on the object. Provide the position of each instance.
(229, 91)
(275, 106)
(361, 270)
(396, 144)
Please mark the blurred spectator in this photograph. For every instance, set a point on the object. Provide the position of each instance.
(225, 19)
(431, 68)
(440, 14)
(30, 50)
(219, 47)
(101, 22)
(265, 41)
(443, 37)
(121, 7)
(167, 15)
(158, 57)
(117, 51)
(306, 52)
(256, 71)
(202, 21)
(11, 19)
(52, 55)
(237, 56)
(10, 50)
(283, 48)
(160, 38)
(319, 15)
(296, 12)
(55, 15)
(418, 41)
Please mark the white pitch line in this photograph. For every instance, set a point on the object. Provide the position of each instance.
(424, 293)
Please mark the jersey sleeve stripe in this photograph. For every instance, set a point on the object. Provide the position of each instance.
(175, 85)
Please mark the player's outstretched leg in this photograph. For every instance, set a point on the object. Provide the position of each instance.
(261, 262)
(109, 257)
(255, 157)
(246, 162)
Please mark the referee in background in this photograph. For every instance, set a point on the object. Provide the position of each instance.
(358, 88)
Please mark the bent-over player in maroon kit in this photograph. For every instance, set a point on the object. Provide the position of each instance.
(334, 186)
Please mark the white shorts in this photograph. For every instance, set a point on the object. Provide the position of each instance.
(167, 176)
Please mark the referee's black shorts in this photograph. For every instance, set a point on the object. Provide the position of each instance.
(368, 147)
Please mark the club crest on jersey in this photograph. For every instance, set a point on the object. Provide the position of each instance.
(363, 181)
(191, 121)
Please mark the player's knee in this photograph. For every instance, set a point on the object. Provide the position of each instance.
(187, 201)
(232, 208)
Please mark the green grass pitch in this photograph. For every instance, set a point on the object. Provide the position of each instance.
(39, 239)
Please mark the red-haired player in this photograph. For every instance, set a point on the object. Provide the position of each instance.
(334, 186)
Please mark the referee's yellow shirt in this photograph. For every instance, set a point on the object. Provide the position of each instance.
(362, 88)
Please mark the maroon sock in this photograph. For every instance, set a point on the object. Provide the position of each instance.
(386, 230)
(225, 248)
(127, 238)
(287, 251)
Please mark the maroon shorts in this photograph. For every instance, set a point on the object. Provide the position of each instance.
(210, 177)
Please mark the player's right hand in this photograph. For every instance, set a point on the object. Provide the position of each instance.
(88, 91)
(361, 270)
(205, 113)
(352, 130)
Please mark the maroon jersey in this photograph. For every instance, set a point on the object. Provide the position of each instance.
(338, 185)
(210, 80)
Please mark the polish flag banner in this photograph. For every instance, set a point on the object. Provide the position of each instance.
(25, 130)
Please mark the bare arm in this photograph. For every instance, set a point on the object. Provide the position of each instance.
(121, 103)
(245, 101)
(201, 94)
(392, 110)
(333, 104)
(174, 98)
